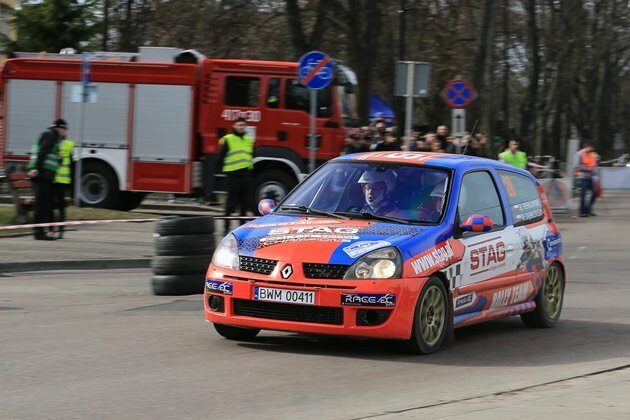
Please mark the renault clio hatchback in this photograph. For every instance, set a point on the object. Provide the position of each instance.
(393, 245)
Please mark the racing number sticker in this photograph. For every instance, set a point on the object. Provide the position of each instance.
(508, 185)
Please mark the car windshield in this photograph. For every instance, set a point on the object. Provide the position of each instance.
(373, 190)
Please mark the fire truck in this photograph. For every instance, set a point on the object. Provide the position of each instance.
(153, 119)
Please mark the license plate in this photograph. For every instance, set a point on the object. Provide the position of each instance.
(284, 295)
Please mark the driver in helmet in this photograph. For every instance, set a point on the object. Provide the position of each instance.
(431, 209)
(377, 190)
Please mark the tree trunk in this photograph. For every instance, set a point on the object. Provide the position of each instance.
(528, 115)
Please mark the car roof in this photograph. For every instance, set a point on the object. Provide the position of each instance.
(443, 160)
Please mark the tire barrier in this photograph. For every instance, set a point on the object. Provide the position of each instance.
(183, 250)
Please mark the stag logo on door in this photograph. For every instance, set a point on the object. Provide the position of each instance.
(488, 256)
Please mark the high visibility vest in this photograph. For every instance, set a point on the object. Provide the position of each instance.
(518, 159)
(51, 162)
(588, 159)
(240, 153)
(63, 175)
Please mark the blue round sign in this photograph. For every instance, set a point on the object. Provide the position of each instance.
(316, 70)
(459, 93)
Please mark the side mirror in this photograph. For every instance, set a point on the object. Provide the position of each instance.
(477, 223)
(266, 206)
(348, 88)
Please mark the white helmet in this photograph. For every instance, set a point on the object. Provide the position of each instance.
(372, 177)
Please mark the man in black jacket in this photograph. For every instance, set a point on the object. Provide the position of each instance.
(42, 169)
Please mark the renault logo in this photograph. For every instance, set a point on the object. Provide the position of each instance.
(287, 271)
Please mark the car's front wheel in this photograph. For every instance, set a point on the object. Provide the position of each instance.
(430, 321)
(549, 300)
(235, 333)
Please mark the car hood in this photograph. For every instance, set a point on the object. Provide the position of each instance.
(321, 239)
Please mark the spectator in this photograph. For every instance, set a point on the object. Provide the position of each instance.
(513, 156)
(442, 136)
(389, 142)
(586, 170)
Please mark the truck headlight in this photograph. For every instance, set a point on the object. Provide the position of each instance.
(384, 263)
(226, 254)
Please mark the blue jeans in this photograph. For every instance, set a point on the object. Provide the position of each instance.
(586, 184)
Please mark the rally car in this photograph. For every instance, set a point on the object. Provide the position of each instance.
(393, 245)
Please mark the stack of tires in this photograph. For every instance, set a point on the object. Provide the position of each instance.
(183, 250)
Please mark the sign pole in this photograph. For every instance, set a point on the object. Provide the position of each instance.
(409, 105)
(313, 130)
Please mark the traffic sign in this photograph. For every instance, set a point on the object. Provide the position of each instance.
(459, 93)
(315, 70)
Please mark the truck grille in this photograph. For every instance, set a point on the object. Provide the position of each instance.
(324, 271)
(289, 312)
(257, 265)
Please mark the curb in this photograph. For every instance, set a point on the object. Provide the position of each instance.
(75, 265)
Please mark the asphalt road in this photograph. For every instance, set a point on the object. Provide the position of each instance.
(97, 344)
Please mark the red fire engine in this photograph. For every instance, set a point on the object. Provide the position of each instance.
(154, 120)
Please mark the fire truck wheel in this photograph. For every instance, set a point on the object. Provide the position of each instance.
(184, 245)
(130, 200)
(185, 225)
(192, 264)
(99, 186)
(274, 184)
(175, 285)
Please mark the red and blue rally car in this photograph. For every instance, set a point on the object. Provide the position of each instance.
(396, 245)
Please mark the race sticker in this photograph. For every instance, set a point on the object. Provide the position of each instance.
(316, 234)
(368, 299)
(359, 248)
(223, 287)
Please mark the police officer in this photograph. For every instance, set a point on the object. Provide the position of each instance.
(513, 156)
(43, 167)
(236, 161)
(63, 179)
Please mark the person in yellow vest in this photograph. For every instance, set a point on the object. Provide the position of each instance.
(586, 171)
(63, 179)
(236, 161)
(513, 156)
(43, 165)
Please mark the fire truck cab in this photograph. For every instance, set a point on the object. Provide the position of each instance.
(152, 120)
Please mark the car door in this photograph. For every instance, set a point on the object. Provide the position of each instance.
(489, 261)
(527, 214)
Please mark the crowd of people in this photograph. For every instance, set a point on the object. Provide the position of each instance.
(378, 136)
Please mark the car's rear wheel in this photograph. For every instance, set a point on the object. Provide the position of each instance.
(235, 333)
(430, 321)
(548, 301)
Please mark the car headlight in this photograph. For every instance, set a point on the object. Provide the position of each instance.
(383, 263)
(226, 254)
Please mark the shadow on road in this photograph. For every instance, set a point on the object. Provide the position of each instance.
(501, 343)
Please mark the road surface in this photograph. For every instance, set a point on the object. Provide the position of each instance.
(97, 344)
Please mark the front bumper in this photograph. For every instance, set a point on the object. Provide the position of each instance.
(327, 316)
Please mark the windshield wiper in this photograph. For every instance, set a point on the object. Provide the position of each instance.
(368, 215)
(309, 210)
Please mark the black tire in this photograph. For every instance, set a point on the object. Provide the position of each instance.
(548, 310)
(184, 245)
(177, 285)
(99, 186)
(130, 200)
(185, 225)
(194, 264)
(236, 333)
(418, 344)
(273, 181)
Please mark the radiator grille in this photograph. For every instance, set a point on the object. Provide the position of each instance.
(289, 312)
(257, 265)
(324, 271)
